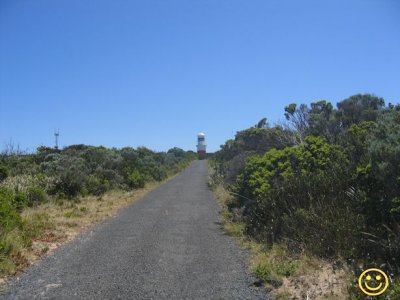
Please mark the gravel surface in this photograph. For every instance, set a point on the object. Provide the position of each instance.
(167, 245)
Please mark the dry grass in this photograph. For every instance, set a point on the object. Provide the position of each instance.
(301, 277)
(284, 274)
(60, 221)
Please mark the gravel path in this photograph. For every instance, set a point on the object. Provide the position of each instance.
(167, 245)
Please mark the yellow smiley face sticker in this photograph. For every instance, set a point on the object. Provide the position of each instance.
(373, 282)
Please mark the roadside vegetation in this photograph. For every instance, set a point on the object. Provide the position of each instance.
(48, 196)
(320, 191)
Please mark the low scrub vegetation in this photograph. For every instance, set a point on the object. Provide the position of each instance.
(40, 188)
(286, 274)
(325, 182)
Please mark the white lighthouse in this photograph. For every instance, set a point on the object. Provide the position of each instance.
(201, 143)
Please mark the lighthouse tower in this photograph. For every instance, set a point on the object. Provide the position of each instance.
(201, 143)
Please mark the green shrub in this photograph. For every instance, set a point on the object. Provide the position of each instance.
(234, 153)
(299, 191)
(12, 238)
(12, 245)
(158, 173)
(69, 184)
(20, 201)
(36, 196)
(136, 180)
(96, 186)
(267, 272)
(336, 194)
(286, 268)
(9, 217)
(335, 230)
(4, 172)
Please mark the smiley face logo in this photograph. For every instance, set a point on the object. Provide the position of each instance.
(373, 282)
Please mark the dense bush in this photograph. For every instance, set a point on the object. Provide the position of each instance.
(20, 201)
(9, 217)
(4, 172)
(81, 169)
(234, 153)
(35, 196)
(329, 183)
(136, 180)
(96, 185)
(299, 192)
(15, 233)
(379, 188)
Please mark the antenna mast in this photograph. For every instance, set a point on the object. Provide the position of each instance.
(56, 135)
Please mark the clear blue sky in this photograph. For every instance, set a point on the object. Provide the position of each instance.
(154, 73)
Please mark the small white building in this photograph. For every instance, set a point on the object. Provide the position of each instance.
(201, 143)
